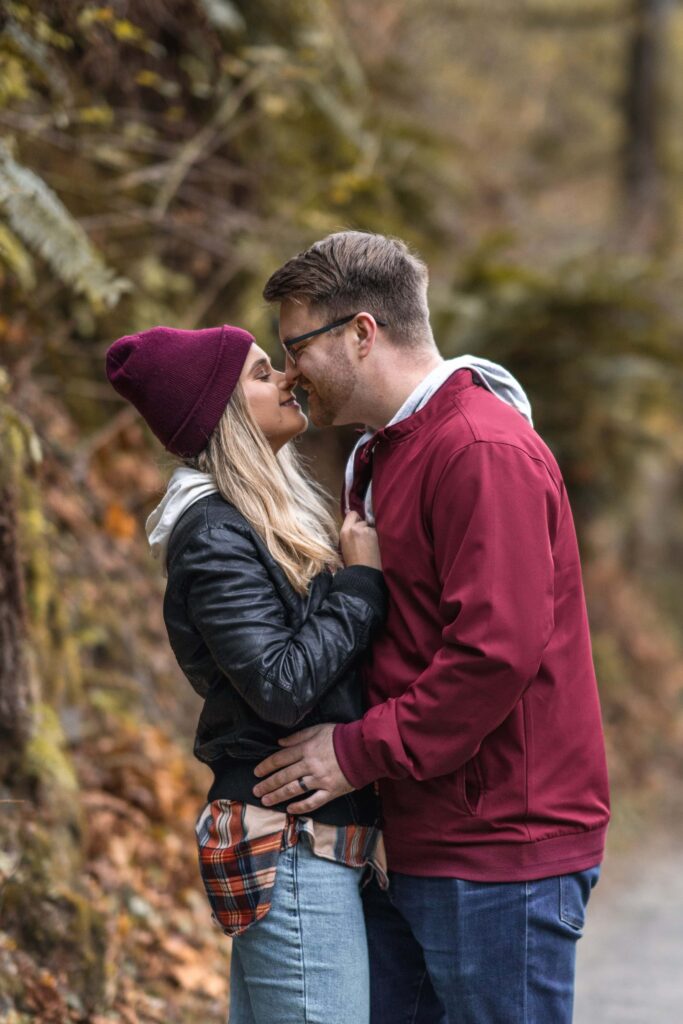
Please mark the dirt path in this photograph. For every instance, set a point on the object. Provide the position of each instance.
(630, 960)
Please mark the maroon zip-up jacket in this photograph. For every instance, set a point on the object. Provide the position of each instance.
(484, 726)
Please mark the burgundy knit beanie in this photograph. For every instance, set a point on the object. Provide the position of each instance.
(179, 381)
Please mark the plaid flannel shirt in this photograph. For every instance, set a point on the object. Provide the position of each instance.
(239, 846)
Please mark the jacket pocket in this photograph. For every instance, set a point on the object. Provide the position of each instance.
(469, 787)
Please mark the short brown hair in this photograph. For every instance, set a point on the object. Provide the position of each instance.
(354, 271)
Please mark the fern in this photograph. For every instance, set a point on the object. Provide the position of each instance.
(39, 218)
(14, 256)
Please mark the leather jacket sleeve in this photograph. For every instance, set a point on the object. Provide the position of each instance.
(234, 604)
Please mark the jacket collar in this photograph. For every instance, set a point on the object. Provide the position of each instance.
(438, 405)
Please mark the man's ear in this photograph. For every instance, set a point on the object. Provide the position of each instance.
(366, 332)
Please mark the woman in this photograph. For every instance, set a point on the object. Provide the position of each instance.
(267, 626)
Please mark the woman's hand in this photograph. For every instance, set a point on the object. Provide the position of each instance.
(359, 543)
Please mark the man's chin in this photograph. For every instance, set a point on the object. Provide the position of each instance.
(329, 419)
(324, 414)
(318, 421)
(319, 416)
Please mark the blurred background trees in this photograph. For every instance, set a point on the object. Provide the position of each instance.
(157, 161)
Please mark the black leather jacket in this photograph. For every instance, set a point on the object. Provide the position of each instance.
(266, 659)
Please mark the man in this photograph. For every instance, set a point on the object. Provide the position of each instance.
(484, 731)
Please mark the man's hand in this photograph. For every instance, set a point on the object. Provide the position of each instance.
(307, 756)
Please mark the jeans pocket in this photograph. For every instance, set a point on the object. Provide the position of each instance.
(238, 874)
(239, 882)
(575, 890)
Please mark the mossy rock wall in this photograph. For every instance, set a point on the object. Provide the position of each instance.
(44, 906)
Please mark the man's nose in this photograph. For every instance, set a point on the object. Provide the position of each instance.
(291, 372)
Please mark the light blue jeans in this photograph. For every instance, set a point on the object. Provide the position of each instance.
(306, 961)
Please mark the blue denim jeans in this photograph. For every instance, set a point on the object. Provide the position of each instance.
(446, 951)
(306, 961)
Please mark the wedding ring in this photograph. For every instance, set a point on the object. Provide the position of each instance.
(303, 785)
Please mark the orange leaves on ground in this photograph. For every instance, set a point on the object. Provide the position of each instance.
(119, 523)
(189, 968)
(138, 766)
(140, 803)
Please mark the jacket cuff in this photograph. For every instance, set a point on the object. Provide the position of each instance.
(365, 582)
(352, 756)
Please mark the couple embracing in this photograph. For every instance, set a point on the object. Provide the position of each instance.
(409, 797)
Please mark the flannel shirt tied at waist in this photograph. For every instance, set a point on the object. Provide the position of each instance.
(239, 846)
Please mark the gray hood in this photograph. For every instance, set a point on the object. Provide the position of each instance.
(184, 488)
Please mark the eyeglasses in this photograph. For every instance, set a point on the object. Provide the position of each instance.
(320, 330)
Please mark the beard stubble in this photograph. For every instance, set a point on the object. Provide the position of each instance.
(332, 390)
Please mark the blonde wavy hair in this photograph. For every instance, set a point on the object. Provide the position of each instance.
(273, 493)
